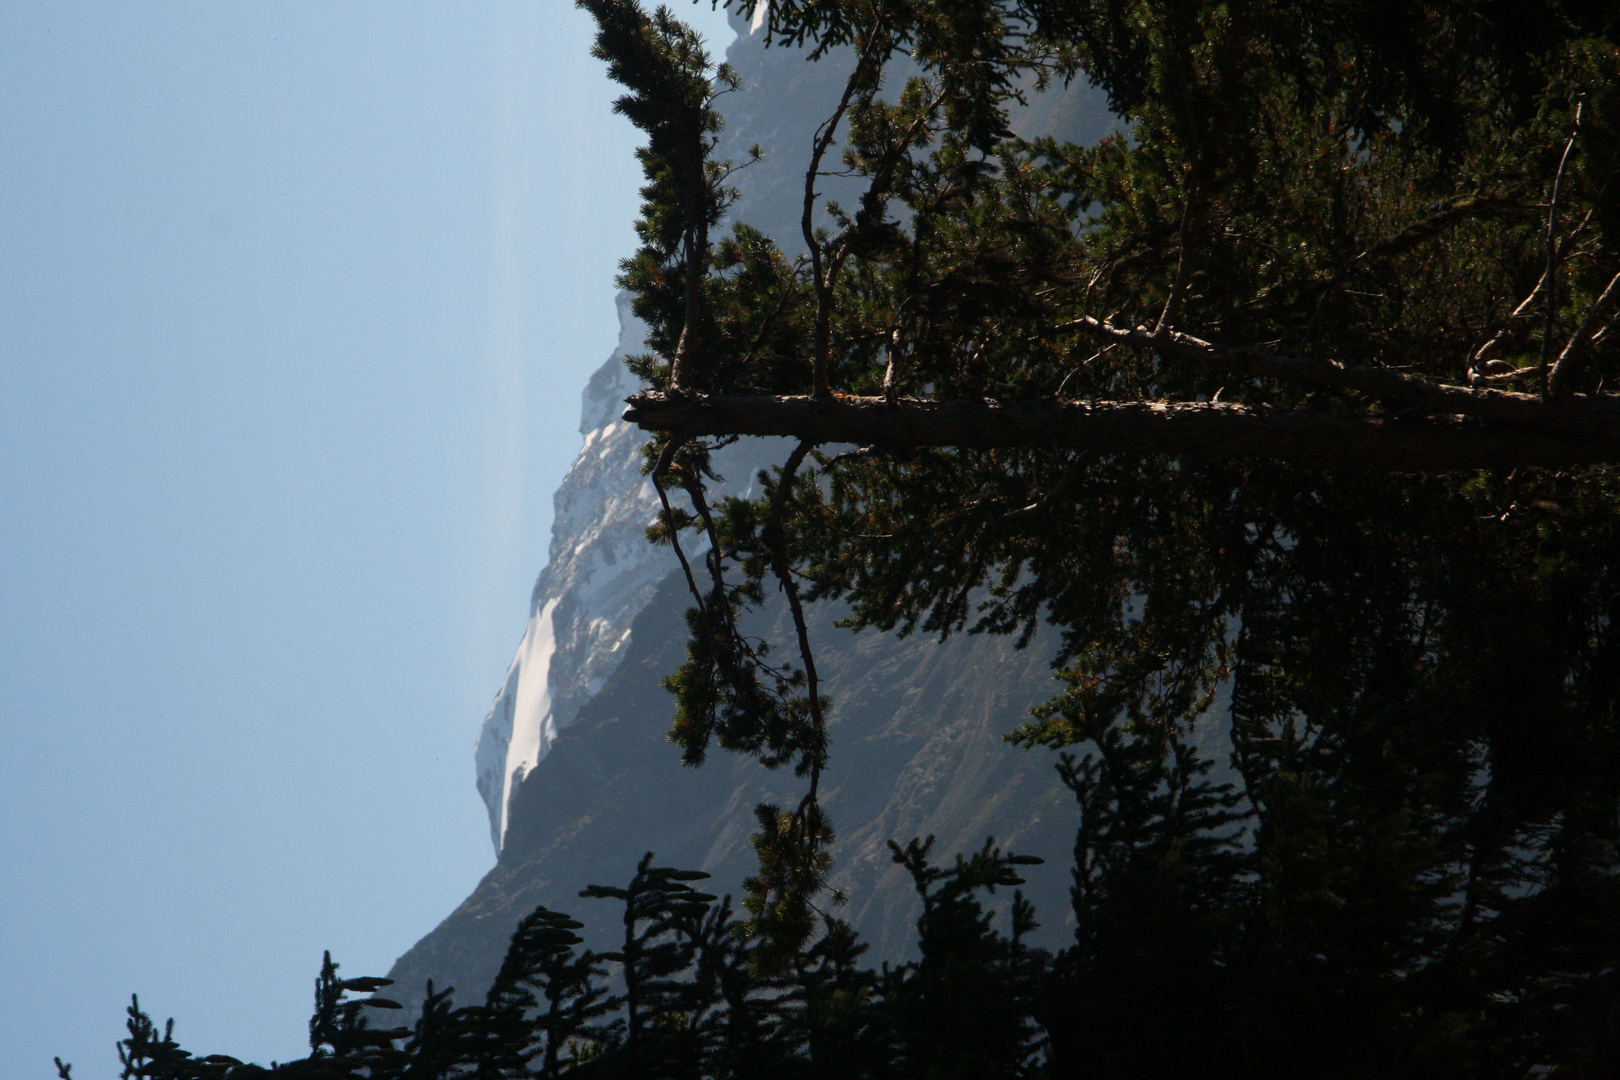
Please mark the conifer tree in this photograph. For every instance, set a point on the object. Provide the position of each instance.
(839, 1019)
(441, 1038)
(147, 1055)
(340, 1028)
(662, 913)
(964, 1009)
(1160, 869)
(507, 1025)
(575, 997)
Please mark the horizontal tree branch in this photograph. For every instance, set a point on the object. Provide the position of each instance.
(1197, 429)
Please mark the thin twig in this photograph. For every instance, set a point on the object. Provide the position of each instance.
(1071, 473)
(1087, 362)
(1552, 251)
(776, 539)
(1524, 309)
(1178, 291)
(818, 149)
(1578, 341)
(1528, 409)
(665, 456)
(782, 297)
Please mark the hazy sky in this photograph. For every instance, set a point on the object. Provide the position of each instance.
(296, 301)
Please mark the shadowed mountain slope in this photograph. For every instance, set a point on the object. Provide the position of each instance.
(917, 751)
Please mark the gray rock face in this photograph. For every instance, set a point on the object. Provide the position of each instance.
(572, 760)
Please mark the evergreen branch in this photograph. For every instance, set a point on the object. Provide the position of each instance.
(671, 526)
(875, 52)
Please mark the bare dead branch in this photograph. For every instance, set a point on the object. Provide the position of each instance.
(1552, 250)
(1524, 310)
(1559, 378)
(891, 376)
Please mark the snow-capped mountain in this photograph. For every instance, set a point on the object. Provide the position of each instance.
(601, 573)
(601, 570)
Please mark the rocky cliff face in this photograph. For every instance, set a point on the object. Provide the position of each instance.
(572, 759)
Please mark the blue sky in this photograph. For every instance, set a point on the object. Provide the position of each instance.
(296, 301)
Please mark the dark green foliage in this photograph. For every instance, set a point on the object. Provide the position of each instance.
(343, 1044)
(1160, 875)
(540, 957)
(441, 1040)
(1185, 961)
(341, 1029)
(147, 1055)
